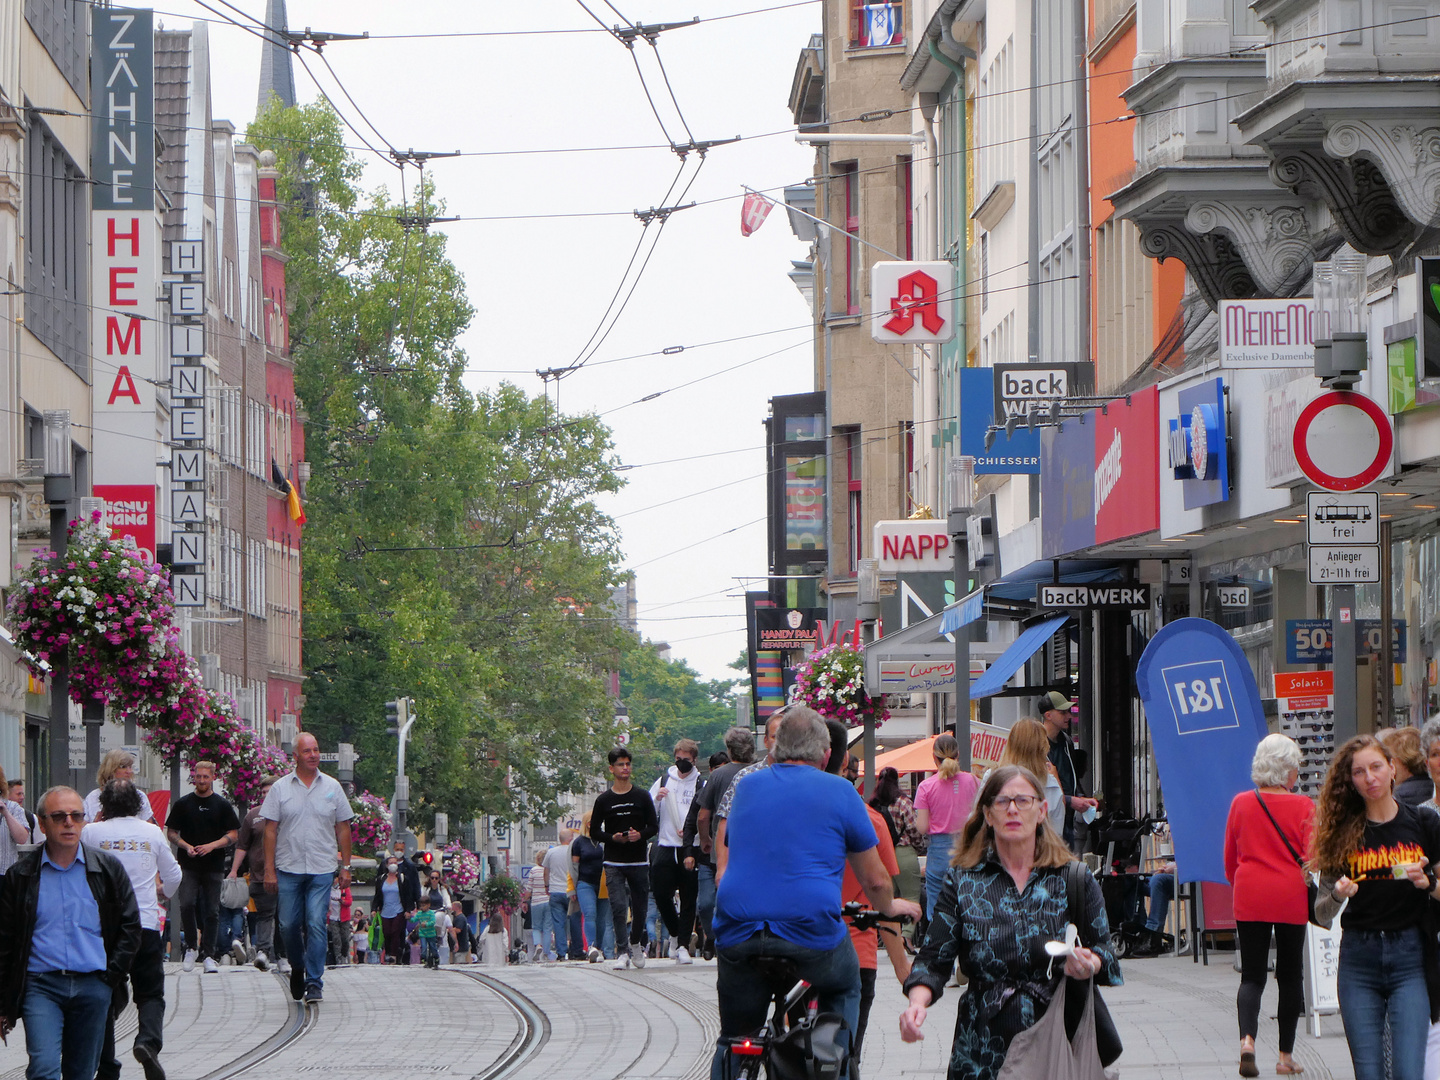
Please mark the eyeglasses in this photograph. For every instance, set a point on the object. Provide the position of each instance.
(1021, 802)
(59, 817)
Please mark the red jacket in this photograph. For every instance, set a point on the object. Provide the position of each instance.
(1269, 886)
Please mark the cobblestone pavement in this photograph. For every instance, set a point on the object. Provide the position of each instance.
(1177, 1020)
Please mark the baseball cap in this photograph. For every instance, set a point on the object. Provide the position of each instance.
(1056, 700)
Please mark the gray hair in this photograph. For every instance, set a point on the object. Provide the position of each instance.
(803, 736)
(1429, 733)
(740, 744)
(1275, 758)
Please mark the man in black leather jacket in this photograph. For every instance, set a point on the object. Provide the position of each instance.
(50, 999)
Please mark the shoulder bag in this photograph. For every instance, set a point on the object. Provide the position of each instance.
(1107, 1038)
(1044, 1051)
(1312, 887)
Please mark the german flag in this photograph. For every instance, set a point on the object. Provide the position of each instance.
(289, 490)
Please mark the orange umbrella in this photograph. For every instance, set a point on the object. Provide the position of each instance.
(916, 757)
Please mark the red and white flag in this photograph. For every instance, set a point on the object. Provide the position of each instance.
(753, 212)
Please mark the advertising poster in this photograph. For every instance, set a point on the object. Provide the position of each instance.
(1306, 705)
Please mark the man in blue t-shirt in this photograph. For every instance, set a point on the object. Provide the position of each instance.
(791, 830)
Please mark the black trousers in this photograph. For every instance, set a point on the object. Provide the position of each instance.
(199, 900)
(1289, 974)
(867, 998)
(629, 889)
(667, 877)
(147, 984)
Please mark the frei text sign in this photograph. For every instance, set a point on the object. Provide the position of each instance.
(1351, 517)
(1267, 333)
(1093, 596)
(909, 546)
(912, 302)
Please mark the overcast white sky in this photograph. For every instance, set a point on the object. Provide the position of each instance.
(541, 286)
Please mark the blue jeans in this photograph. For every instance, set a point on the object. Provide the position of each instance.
(705, 897)
(232, 928)
(64, 1024)
(304, 905)
(1162, 891)
(429, 949)
(744, 993)
(590, 925)
(558, 925)
(1382, 981)
(937, 861)
(604, 928)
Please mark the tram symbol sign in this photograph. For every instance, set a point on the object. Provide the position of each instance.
(1351, 517)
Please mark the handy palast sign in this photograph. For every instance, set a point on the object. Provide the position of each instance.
(913, 546)
(1267, 333)
(1093, 596)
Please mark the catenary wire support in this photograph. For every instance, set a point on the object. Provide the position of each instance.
(628, 35)
(660, 213)
(317, 38)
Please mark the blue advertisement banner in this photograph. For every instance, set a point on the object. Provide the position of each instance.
(1018, 453)
(1312, 641)
(1205, 717)
(1067, 488)
(1200, 445)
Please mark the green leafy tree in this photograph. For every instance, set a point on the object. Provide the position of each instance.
(453, 551)
(668, 701)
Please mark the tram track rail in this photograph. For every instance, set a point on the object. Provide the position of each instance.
(300, 1022)
(533, 1033)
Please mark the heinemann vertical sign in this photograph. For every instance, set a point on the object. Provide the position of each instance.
(124, 269)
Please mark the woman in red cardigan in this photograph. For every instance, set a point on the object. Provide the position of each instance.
(1266, 837)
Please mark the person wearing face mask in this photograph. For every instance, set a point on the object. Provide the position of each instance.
(672, 794)
(389, 901)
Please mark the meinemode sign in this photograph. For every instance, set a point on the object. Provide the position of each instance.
(1267, 333)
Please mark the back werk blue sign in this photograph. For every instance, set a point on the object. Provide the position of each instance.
(1205, 719)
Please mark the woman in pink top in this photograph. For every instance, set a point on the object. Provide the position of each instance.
(942, 804)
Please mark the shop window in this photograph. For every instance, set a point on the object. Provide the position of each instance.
(56, 253)
(852, 265)
(855, 495)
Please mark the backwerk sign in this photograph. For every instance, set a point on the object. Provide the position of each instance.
(1205, 717)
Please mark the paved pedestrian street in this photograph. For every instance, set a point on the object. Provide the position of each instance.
(1176, 1017)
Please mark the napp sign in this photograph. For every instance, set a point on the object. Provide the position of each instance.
(1205, 717)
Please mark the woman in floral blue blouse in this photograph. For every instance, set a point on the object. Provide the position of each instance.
(1002, 899)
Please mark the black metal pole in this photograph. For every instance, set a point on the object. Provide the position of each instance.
(57, 494)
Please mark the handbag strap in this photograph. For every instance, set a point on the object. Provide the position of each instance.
(1283, 838)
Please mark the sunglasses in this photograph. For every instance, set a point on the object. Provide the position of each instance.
(59, 817)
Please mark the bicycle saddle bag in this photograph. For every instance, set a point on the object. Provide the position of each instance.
(816, 1049)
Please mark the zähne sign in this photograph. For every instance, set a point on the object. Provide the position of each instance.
(1093, 596)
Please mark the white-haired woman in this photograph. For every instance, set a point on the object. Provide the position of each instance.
(115, 765)
(1267, 837)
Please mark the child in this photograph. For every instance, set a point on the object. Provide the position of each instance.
(494, 943)
(425, 930)
(360, 938)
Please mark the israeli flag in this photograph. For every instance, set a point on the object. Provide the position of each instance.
(882, 24)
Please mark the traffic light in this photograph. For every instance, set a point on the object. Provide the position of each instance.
(392, 717)
(425, 859)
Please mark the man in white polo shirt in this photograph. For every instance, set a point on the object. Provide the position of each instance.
(307, 817)
(141, 848)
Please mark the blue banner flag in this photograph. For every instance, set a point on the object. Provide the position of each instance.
(1205, 721)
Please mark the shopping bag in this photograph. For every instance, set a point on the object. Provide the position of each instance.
(1042, 1052)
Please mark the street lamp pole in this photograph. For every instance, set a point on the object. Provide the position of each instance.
(59, 490)
(960, 477)
(867, 606)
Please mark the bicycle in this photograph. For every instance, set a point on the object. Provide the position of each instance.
(798, 1041)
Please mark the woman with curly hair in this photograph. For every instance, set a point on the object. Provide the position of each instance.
(1378, 853)
(1003, 897)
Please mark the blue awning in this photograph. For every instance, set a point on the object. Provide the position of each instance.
(1011, 660)
(962, 612)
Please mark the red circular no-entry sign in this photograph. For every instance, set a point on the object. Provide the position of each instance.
(1343, 441)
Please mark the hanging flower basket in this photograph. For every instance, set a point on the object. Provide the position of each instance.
(832, 682)
(464, 866)
(110, 613)
(370, 827)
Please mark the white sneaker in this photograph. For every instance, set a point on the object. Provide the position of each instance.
(682, 955)
(211, 967)
(188, 964)
(262, 961)
(239, 952)
(622, 962)
(283, 967)
(639, 957)
(594, 955)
